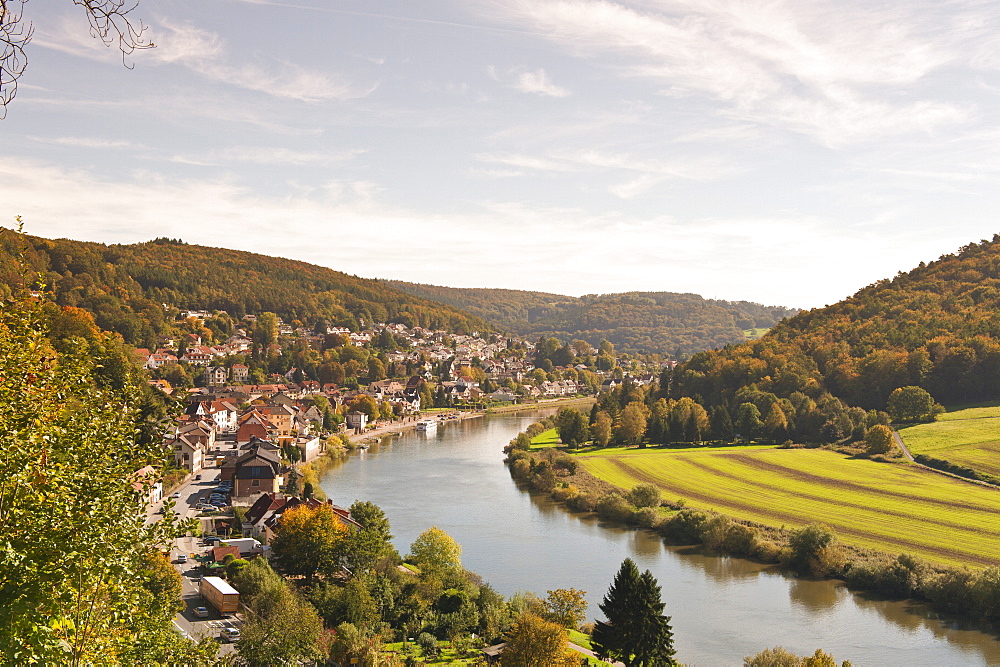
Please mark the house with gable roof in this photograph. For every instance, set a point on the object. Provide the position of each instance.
(259, 470)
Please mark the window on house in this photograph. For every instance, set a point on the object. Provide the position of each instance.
(255, 482)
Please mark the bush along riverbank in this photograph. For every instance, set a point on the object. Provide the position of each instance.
(813, 550)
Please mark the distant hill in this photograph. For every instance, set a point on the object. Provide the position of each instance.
(937, 327)
(125, 286)
(665, 322)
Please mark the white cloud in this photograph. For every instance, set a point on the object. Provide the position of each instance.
(186, 45)
(88, 142)
(573, 251)
(538, 82)
(535, 82)
(831, 71)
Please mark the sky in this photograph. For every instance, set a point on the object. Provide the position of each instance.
(787, 153)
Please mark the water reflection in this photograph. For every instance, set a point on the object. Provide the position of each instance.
(723, 608)
(816, 596)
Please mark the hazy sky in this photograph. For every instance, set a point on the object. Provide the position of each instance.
(782, 152)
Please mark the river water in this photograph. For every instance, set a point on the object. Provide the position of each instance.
(722, 608)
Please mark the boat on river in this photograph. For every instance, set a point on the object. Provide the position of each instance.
(427, 425)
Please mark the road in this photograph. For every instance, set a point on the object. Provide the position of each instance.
(187, 495)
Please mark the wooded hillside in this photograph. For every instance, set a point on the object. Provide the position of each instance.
(937, 327)
(125, 287)
(664, 322)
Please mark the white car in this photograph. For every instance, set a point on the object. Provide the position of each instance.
(230, 635)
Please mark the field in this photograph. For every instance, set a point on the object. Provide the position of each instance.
(968, 437)
(549, 438)
(890, 507)
(754, 334)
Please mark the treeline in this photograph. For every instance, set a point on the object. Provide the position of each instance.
(810, 551)
(646, 415)
(665, 323)
(125, 287)
(936, 327)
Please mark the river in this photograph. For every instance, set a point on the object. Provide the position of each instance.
(722, 608)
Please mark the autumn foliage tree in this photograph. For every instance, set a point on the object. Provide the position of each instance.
(309, 541)
(80, 582)
(535, 642)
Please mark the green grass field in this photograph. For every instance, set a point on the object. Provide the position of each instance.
(755, 333)
(968, 436)
(549, 438)
(890, 507)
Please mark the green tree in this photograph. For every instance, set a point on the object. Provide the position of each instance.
(281, 627)
(535, 642)
(435, 551)
(722, 424)
(636, 632)
(365, 547)
(572, 427)
(75, 544)
(567, 607)
(878, 439)
(748, 422)
(911, 404)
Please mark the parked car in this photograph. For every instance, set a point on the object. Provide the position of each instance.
(201, 612)
(182, 558)
(230, 634)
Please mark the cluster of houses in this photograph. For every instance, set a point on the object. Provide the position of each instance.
(215, 425)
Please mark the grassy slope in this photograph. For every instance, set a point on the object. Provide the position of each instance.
(893, 508)
(549, 438)
(969, 437)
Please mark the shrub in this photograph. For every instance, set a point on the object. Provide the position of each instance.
(878, 439)
(644, 495)
(951, 591)
(648, 517)
(520, 469)
(715, 531)
(773, 657)
(808, 549)
(567, 463)
(427, 643)
(613, 507)
(685, 527)
(584, 502)
(564, 493)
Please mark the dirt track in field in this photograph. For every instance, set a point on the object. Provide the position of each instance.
(778, 517)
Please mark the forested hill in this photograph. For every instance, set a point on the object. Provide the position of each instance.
(664, 322)
(937, 327)
(125, 286)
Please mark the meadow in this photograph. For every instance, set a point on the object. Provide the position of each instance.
(894, 508)
(968, 437)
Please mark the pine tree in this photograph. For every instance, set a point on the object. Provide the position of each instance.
(636, 632)
(722, 424)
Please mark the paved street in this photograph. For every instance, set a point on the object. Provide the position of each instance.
(189, 493)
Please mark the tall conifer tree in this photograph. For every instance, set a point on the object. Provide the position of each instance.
(636, 631)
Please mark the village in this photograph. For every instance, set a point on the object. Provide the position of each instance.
(239, 444)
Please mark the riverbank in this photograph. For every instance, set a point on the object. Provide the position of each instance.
(808, 550)
(722, 608)
(382, 430)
